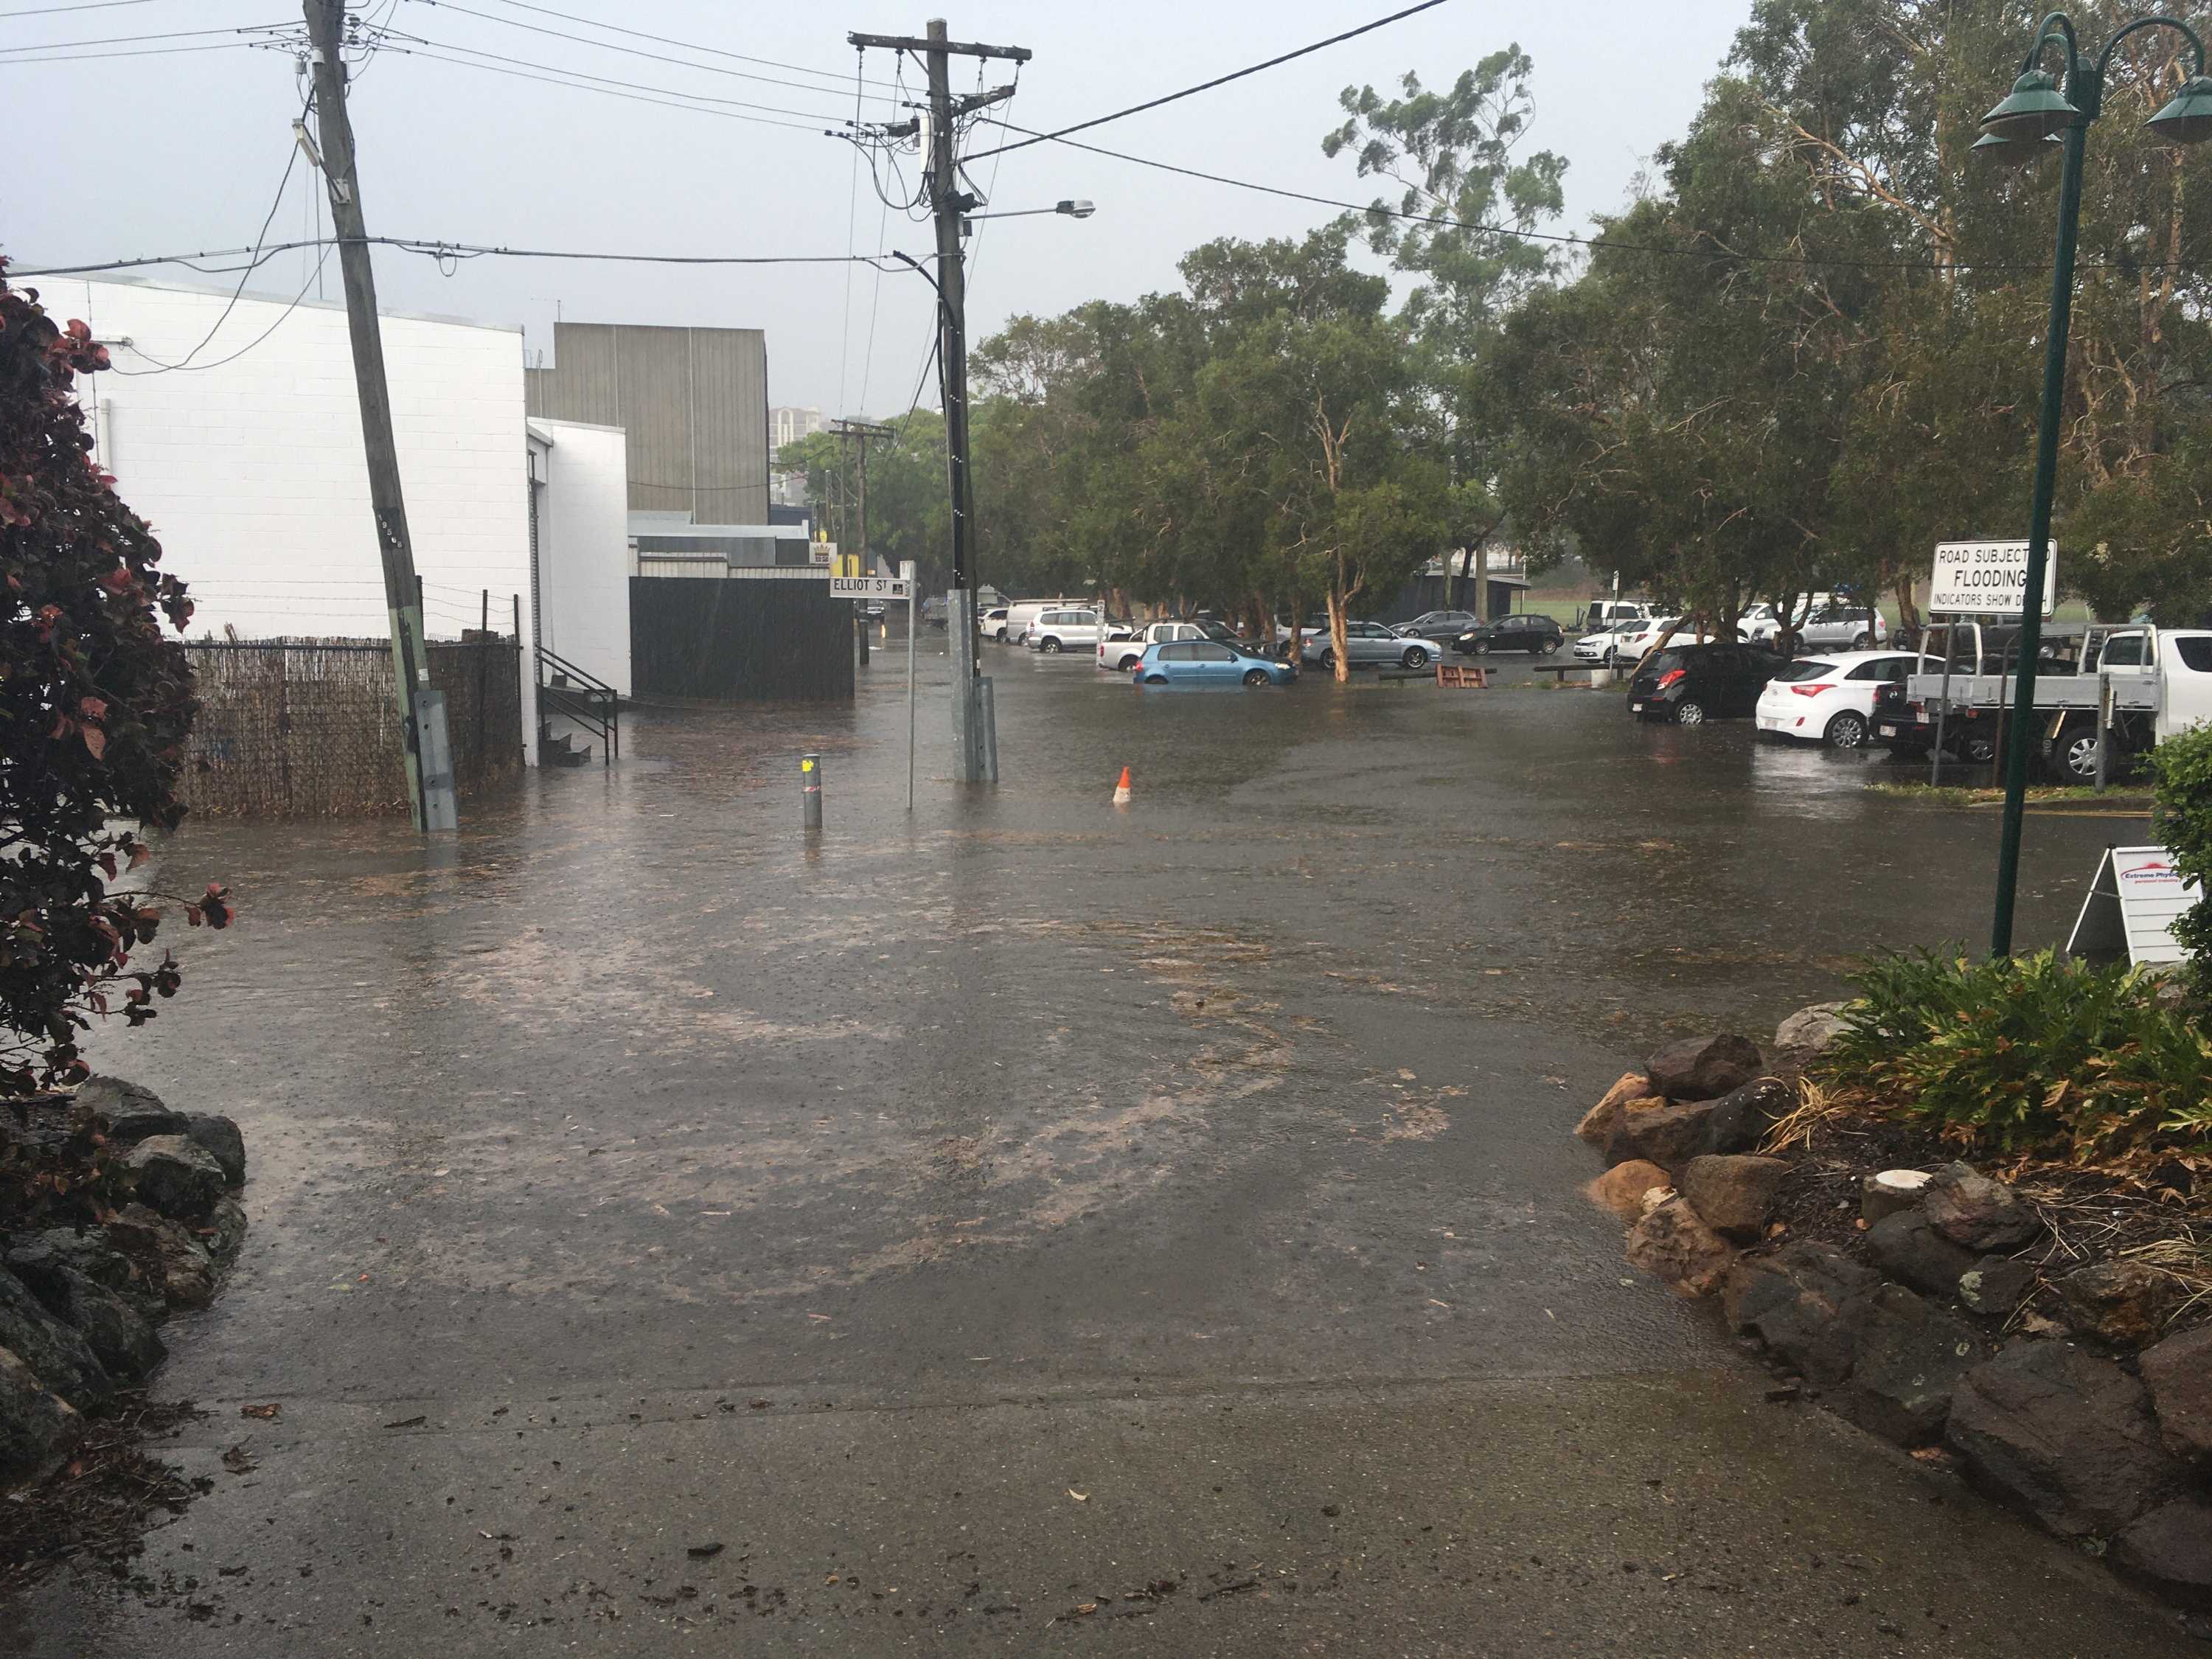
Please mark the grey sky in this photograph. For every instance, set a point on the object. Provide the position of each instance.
(162, 154)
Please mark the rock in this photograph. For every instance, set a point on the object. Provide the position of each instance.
(1997, 1284)
(1906, 1360)
(1671, 1243)
(1811, 1030)
(2121, 1303)
(120, 1339)
(1883, 1194)
(36, 1425)
(1703, 1068)
(166, 1255)
(39, 1258)
(225, 1233)
(1667, 1133)
(2069, 1438)
(1739, 1118)
(1969, 1208)
(1734, 1193)
(1597, 1122)
(2169, 1550)
(1793, 1302)
(2179, 1374)
(132, 1113)
(174, 1177)
(57, 1355)
(1907, 1247)
(1621, 1188)
(218, 1137)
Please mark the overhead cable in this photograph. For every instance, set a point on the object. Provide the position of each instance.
(500, 60)
(615, 89)
(432, 247)
(137, 39)
(662, 40)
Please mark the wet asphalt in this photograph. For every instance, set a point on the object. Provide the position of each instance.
(1034, 1226)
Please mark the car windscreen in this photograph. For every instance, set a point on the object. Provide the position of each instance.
(1803, 669)
(1667, 661)
(1216, 632)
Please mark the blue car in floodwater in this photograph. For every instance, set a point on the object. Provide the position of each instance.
(1208, 662)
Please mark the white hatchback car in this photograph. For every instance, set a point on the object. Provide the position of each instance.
(1604, 646)
(1829, 698)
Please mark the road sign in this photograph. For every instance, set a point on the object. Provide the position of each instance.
(2133, 900)
(870, 587)
(822, 553)
(1988, 578)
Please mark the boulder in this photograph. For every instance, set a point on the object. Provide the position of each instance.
(1667, 1133)
(166, 1255)
(1671, 1243)
(1739, 1118)
(1703, 1068)
(173, 1178)
(1907, 1358)
(36, 1425)
(1883, 1194)
(1811, 1030)
(1793, 1302)
(57, 1355)
(2169, 1550)
(224, 1235)
(2121, 1303)
(132, 1113)
(1971, 1209)
(218, 1137)
(1734, 1193)
(1621, 1188)
(39, 1258)
(1907, 1247)
(119, 1337)
(1997, 1284)
(2179, 1374)
(2069, 1438)
(1597, 1122)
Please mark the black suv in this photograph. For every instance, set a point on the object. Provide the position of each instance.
(1539, 636)
(1691, 684)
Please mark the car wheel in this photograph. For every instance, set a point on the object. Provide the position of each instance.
(1863, 642)
(1155, 679)
(2074, 755)
(1255, 677)
(1547, 648)
(1415, 657)
(1000, 636)
(1482, 647)
(1977, 749)
(1053, 646)
(1848, 729)
(1327, 660)
(1128, 664)
(1687, 713)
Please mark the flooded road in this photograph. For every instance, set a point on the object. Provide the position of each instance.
(1029, 1224)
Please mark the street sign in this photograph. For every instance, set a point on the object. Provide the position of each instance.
(870, 587)
(1987, 578)
(822, 553)
(2133, 900)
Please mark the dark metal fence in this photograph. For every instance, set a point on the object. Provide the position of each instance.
(739, 640)
(306, 728)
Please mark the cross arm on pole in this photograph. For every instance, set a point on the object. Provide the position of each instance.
(957, 48)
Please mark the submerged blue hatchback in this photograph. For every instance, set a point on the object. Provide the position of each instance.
(1205, 662)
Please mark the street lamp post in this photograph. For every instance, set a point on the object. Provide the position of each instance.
(2041, 108)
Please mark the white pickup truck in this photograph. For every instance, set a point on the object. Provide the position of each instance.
(2161, 679)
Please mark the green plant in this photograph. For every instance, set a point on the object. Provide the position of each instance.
(2183, 765)
(2027, 1053)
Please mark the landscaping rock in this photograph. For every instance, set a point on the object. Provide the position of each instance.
(1597, 1122)
(132, 1113)
(1735, 1194)
(167, 1255)
(174, 1177)
(2169, 1550)
(1703, 1068)
(1667, 1133)
(1810, 1030)
(1671, 1243)
(2179, 1374)
(1888, 1191)
(58, 1356)
(1793, 1302)
(1907, 1247)
(2067, 1436)
(36, 1425)
(1739, 1118)
(224, 1235)
(120, 1339)
(1971, 1209)
(1907, 1358)
(218, 1137)
(39, 1258)
(1621, 1188)
(2121, 1303)
(1997, 1284)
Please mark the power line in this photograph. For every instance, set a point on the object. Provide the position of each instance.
(136, 40)
(189, 366)
(87, 5)
(149, 51)
(502, 60)
(430, 247)
(1217, 81)
(662, 40)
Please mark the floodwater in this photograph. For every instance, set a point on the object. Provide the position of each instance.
(1029, 1223)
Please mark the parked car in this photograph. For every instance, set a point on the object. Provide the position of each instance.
(992, 624)
(1438, 625)
(1368, 645)
(1209, 662)
(1071, 629)
(1829, 624)
(932, 610)
(1636, 643)
(1538, 635)
(1125, 654)
(1600, 615)
(1830, 698)
(1603, 646)
(1690, 685)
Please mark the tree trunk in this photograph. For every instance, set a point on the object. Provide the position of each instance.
(1337, 638)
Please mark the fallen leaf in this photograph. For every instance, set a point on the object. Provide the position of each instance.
(1406, 1074)
(238, 1460)
(266, 1413)
(1080, 1497)
(704, 1551)
(408, 1423)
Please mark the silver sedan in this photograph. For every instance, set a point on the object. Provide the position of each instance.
(1368, 645)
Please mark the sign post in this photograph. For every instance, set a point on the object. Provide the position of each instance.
(906, 575)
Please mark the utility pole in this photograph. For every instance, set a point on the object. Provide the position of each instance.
(422, 710)
(847, 431)
(951, 205)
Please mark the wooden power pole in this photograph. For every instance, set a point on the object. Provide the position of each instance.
(849, 434)
(422, 710)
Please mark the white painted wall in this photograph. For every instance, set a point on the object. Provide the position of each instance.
(583, 548)
(253, 473)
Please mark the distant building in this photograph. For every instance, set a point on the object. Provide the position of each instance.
(787, 425)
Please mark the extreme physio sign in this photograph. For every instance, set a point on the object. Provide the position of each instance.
(1988, 577)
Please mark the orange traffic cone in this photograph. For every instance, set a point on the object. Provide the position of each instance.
(1121, 789)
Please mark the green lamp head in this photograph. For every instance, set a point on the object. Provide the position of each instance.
(2188, 118)
(1992, 151)
(2032, 110)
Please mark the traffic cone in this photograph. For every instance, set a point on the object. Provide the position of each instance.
(1121, 789)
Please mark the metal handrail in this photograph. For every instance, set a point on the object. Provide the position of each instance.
(588, 701)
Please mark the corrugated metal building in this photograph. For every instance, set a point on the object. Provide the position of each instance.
(694, 402)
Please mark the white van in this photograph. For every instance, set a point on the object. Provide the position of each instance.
(1021, 614)
(1070, 628)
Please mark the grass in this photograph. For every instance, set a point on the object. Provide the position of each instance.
(1954, 795)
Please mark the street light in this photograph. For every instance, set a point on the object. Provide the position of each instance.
(1075, 209)
(2041, 108)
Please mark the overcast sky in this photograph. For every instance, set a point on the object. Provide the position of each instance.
(159, 154)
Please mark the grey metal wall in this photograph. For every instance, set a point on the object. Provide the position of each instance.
(693, 400)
